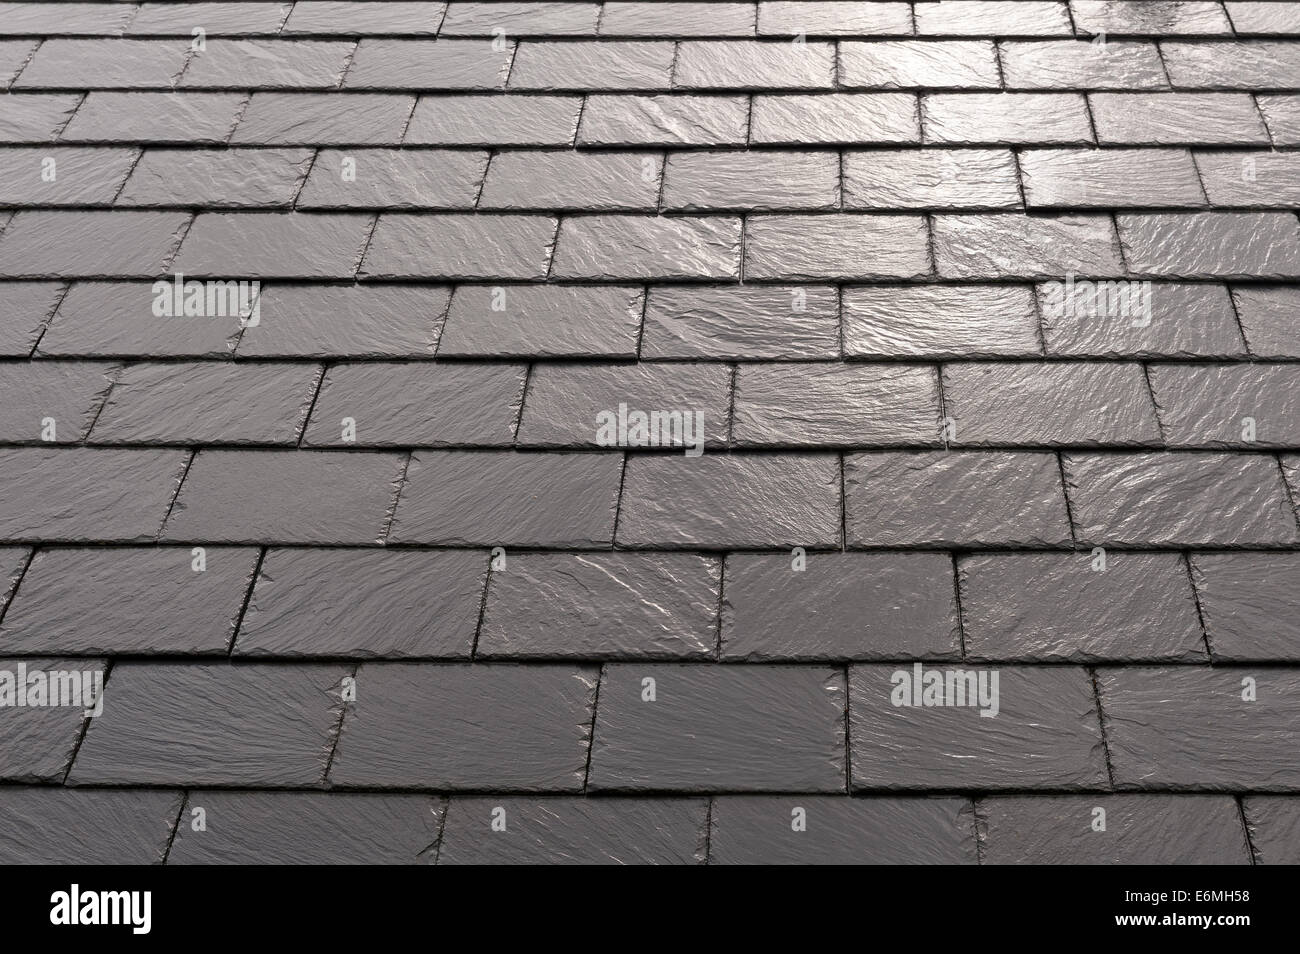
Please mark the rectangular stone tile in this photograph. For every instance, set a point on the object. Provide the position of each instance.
(930, 178)
(676, 120)
(499, 728)
(834, 18)
(82, 176)
(1248, 602)
(233, 496)
(272, 245)
(268, 64)
(730, 502)
(400, 604)
(750, 64)
(1254, 65)
(1273, 820)
(1201, 728)
(57, 244)
(217, 19)
(1137, 829)
(494, 121)
(832, 118)
(520, 19)
(394, 179)
(1049, 404)
(1075, 64)
(155, 118)
(582, 831)
(591, 181)
(679, 732)
(1009, 246)
(631, 65)
(918, 64)
(1163, 119)
(1212, 244)
(992, 18)
(601, 606)
(613, 247)
(1153, 499)
(1271, 16)
(1159, 18)
(460, 246)
(38, 742)
(677, 19)
(1267, 318)
(219, 178)
(543, 321)
(1282, 114)
(939, 321)
(1185, 321)
(1228, 405)
(839, 606)
(95, 19)
(37, 117)
(308, 828)
(751, 180)
(836, 405)
(25, 311)
(741, 322)
(1045, 733)
(1251, 178)
(976, 118)
(104, 64)
(463, 498)
(755, 830)
(137, 601)
(14, 55)
(581, 405)
(13, 563)
(948, 498)
(324, 119)
(80, 494)
(342, 17)
(1066, 607)
(1109, 178)
(51, 401)
(96, 827)
(429, 65)
(819, 247)
(188, 724)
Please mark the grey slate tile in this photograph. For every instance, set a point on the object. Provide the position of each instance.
(831, 118)
(954, 499)
(751, 64)
(1250, 178)
(940, 321)
(1209, 405)
(400, 604)
(544, 321)
(631, 65)
(460, 246)
(343, 17)
(930, 178)
(137, 601)
(1163, 119)
(613, 247)
(324, 119)
(186, 724)
(1075, 64)
(849, 247)
(212, 178)
(216, 19)
(429, 64)
(1282, 114)
(840, 606)
(1270, 16)
(1045, 735)
(835, 18)
(25, 310)
(36, 19)
(1110, 178)
(284, 496)
(58, 244)
(104, 64)
(14, 55)
(463, 498)
(591, 181)
(1253, 65)
(36, 117)
(1160, 18)
(1212, 244)
(601, 606)
(741, 322)
(95, 826)
(268, 64)
(499, 727)
(1267, 319)
(695, 181)
(992, 17)
(82, 176)
(663, 120)
(736, 728)
(1248, 602)
(494, 121)
(677, 18)
(13, 563)
(156, 118)
(910, 64)
(976, 118)
(1274, 820)
(38, 742)
(1060, 607)
(467, 18)
(51, 401)
(1007, 246)
(272, 245)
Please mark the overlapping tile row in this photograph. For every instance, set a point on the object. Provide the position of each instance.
(740, 432)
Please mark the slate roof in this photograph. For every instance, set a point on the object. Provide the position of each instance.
(833, 230)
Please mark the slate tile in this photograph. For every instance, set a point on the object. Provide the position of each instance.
(601, 606)
(1109, 178)
(429, 65)
(1165, 119)
(730, 502)
(1161, 18)
(308, 828)
(210, 178)
(78, 494)
(37, 19)
(1188, 728)
(840, 606)
(909, 64)
(1006, 246)
(156, 118)
(25, 310)
(992, 17)
(832, 118)
(1045, 734)
(51, 401)
(677, 120)
(750, 64)
(57, 244)
(13, 563)
(1075, 64)
(1212, 244)
(567, 404)
(324, 119)
(334, 17)
(677, 19)
(544, 321)
(104, 64)
(1267, 319)
(137, 601)
(520, 19)
(360, 321)
(217, 19)
(282, 496)
(1254, 65)
(741, 322)
(1185, 321)
(96, 827)
(976, 118)
(268, 64)
(1049, 404)
(394, 179)
(460, 246)
(1282, 114)
(789, 734)
(1248, 602)
(940, 321)
(1208, 405)
(614, 247)
(835, 405)
(756, 830)
(1267, 17)
(494, 121)
(272, 245)
(928, 178)
(584, 831)
(82, 176)
(1274, 820)
(462, 498)
(954, 499)
(1139, 829)
(401, 604)
(1058, 607)
(14, 55)
(429, 405)
(834, 18)
(38, 743)
(500, 728)
(207, 403)
(751, 180)
(819, 247)
(636, 64)
(592, 181)
(1251, 178)
(36, 117)
(1178, 500)
(213, 724)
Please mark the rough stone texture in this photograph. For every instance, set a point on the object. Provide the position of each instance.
(1248, 602)
(93, 826)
